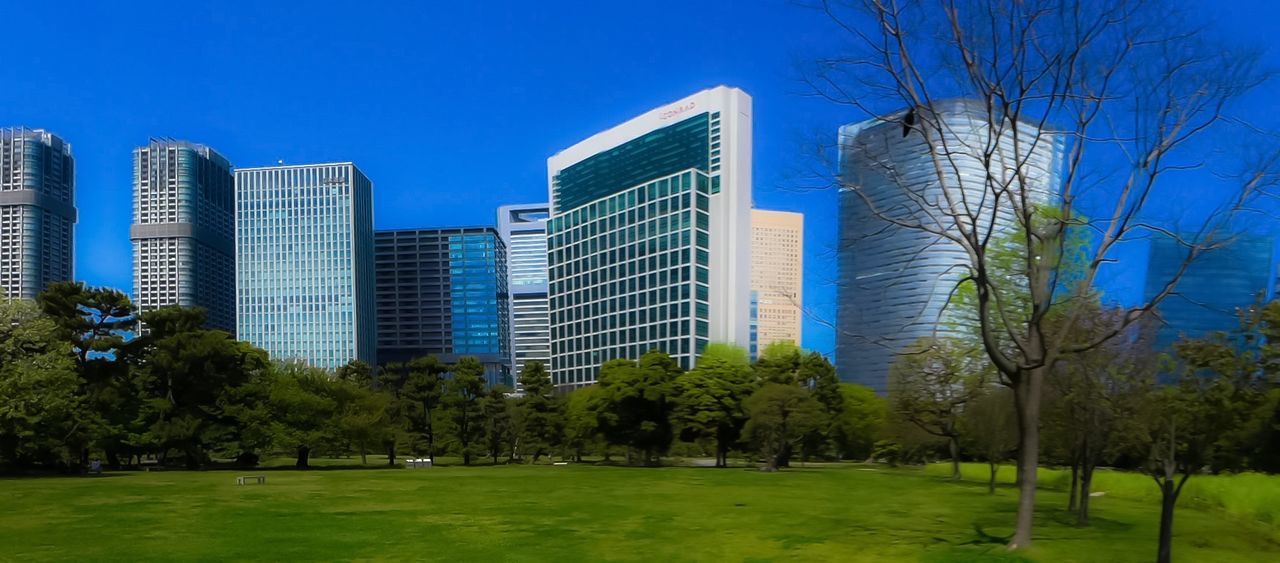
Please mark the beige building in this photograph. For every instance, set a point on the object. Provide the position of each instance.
(777, 265)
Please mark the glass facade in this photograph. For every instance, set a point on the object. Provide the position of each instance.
(37, 211)
(629, 273)
(183, 230)
(444, 292)
(893, 281)
(1215, 287)
(649, 240)
(304, 263)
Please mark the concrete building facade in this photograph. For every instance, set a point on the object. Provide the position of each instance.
(37, 211)
(777, 277)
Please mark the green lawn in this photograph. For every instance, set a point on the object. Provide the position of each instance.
(580, 513)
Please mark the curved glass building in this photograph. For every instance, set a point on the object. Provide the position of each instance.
(916, 169)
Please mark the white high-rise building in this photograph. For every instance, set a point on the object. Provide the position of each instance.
(37, 211)
(183, 230)
(649, 242)
(895, 279)
(524, 231)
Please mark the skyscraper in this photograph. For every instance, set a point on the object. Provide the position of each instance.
(183, 230)
(37, 211)
(524, 230)
(895, 280)
(1215, 287)
(649, 238)
(777, 276)
(304, 262)
(443, 292)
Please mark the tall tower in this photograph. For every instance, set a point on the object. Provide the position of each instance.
(37, 211)
(649, 238)
(304, 263)
(524, 230)
(895, 281)
(443, 292)
(777, 276)
(183, 230)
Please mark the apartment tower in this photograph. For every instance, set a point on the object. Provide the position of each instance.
(37, 211)
(777, 278)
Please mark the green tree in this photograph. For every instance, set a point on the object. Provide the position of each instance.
(366, 416)
(541, 413)
(496, 412)
(41, 403)
(638, 400)
(931, 382)
(861, 423)
(463, 402)
(582, 421)
(187, 375)
(779, 362)
(424, 389)
(819, 376)
(989, 427)
(709, 398)
(300, 410)
(778, 416)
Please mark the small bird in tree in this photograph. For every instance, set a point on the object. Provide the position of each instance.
(908, 121)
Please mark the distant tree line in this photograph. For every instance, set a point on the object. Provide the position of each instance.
(77, 385)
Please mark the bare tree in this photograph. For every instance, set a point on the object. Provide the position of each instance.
(932, 383)
(1028, 110)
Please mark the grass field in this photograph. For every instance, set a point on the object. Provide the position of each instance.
(581, 513)
(1247, 496)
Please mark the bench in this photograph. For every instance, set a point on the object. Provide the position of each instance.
(245, 480)
(424, 463)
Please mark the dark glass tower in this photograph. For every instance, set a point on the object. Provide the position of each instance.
(443, 292)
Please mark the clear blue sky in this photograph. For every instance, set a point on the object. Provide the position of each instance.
(450, 109)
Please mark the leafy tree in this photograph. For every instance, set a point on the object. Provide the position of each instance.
(931, 382)
(496, 412)
(366, 417)
(778, 416)
(357, 372)
(39, 386)
(989, 426)
(424, 389)
(582, 420)
(861, 422)
(463, 402)
(779, 362)
(186, 377)
(709, 398)
(300, 409)
(540, 415)
(638, 399)
(818, 375)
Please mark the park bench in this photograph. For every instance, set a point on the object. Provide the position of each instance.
(245, 480)
(424, 463)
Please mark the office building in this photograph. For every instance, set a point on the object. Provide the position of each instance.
(648, 243)
(183, 230)
(37, 211)
(304, 263)
(443, 292)
(894, 277)
(524, 231)
(777, 278)
(1215, 288)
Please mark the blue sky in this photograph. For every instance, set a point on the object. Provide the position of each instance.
(450, 109)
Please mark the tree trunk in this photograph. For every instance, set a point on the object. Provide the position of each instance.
(391, 453)
(991, 484)
(1075, 484)
(1086, 481)
(953, 444)
(1168, 498)
(1027, 390)
(304, 457)
(364, 457)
